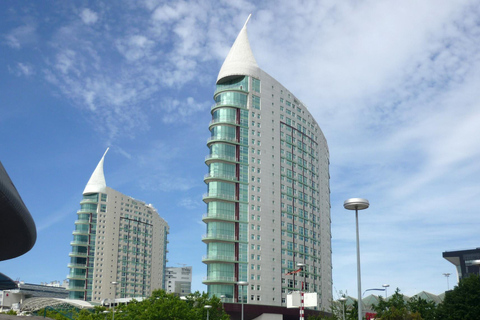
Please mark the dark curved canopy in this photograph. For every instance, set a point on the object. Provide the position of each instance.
(6, 283)
(17, 228)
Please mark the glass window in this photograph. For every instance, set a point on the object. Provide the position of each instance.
(255, 102)
(256, 85)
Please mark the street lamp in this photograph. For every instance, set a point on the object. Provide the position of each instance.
(302, 303)
(207, 307)
(357, 204)
(114, 283)
(446, 276)
(385, 286)
(242, 284)
(342, 300)
(222, 298)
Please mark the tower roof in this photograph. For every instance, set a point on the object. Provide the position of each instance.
(240, 59)
(97, 182)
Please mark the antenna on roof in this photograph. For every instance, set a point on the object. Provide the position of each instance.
(248, 19)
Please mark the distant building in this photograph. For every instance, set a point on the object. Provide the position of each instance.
(466, 261)
(13, 298)
(178, 280)
(119, 243)
(268, 193)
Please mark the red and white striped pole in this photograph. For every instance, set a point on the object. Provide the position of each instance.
(302, 309)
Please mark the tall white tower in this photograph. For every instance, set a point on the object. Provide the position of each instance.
(116, 239)
(268, 200)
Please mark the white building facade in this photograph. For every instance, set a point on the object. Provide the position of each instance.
(179, 280)
(119, 245)
(268, 200)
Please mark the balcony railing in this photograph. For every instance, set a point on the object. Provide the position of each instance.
(220, 176)
(220, 157)
(218, 258)
(77, 265)
(87, 211)
(77, 254)
(230, 103)
(218, 216)
(219, 237)
(226, 121)
(219, 279)
(79, 243)
(76, 288)
(80, 232)
(228, 139)
(220, 196)
(76, 276)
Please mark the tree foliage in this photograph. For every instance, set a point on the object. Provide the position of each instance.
(463, 302)
(167, 306)
(396, 308)
(160, 306)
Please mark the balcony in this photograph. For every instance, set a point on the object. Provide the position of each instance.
(218, 258)
(79, 243)
(229, 103)
(210, 196)
(77, 254)
(222, 139)
(219, 176)
(80, 232)
(218, 238)
(212, 157)
(218, 279)
(89, 201)
(87, 211)
(218, 216)
(76, 277)
(226, 121)
(77, 265)
(76, 288)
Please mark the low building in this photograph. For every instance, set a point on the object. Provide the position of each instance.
(13, 298)
(466, 261)
(178, 280)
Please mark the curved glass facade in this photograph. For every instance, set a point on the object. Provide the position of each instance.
(83, 249)
(227, 185)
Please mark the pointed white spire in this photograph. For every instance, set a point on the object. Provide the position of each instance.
(97, 182)
(240, 59)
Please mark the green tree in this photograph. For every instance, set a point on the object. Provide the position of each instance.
(426, 309)
(463, 302)
(167, 306)
(395, 308)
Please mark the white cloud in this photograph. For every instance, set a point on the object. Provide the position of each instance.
(183, 111)
(22, 69)
(88, 16)
(21, 36)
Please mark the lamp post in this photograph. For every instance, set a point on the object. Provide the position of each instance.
(222, 298)
(242, 284)
(302, 301)
(385, 286)
(342, 300)
(114, 284)
(446, 276)
(207, 307)
(357, 204)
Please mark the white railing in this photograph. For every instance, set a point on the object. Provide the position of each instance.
(219, 195)
(221, 176)
(218, 257)
(219, 237)
(216, 156)
(219, 279)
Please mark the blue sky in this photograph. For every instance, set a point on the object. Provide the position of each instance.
(393, 85)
